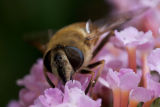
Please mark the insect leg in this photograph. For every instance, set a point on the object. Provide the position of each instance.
(94, 65)
(87, 71)
(103, 42)
(48, 79)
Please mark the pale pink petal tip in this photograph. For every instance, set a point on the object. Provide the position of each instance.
(153, 85)
(129, 79)
(73, 84)
(150, 3)
(148, 42)
(112, 79)
(132, 37)
(103, 82)
(154, 60)
(73, 96)
(140, 94)
(128, 36)
(13, 103)
(126, 79)
(51, 97)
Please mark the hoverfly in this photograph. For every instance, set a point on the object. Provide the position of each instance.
(72, 48)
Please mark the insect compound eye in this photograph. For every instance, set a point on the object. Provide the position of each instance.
(75, 56)
(47, 61)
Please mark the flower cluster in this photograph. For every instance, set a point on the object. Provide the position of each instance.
(34, 83)
(131, 73)
(38, 93)
(73, 96)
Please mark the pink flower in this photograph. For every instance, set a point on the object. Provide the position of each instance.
(146, 95)
(121, 83)
(83, 79)
(121, 79)
(34, 83)
(149, 42)
(150, 3)
(154, 60)
(132, 37)
(150, 21)
(13, 103)
(141, 94)
(120, 76)
(73, 96)
(153, 85)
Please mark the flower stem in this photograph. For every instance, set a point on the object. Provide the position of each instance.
(132, 57)
(124, 98)
(148, 103)
(133, 103)
(116, 97)
(157, 45)
(145, 69)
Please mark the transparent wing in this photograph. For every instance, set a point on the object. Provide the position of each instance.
(116, 20)
(39, 39)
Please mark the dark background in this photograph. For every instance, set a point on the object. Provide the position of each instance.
(18, 17)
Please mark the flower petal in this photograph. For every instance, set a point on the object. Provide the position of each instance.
(153, 85)
(129, 36)
(51, 97)
(73, 84)
(154, 60)
(132, 37)
(13, 103)
(128, 79)
(113, 79)
(140, 94)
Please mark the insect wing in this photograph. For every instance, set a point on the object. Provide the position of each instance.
(117, 20)
(39, 39)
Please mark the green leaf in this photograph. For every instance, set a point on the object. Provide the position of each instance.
(140, 104)
(156, 102)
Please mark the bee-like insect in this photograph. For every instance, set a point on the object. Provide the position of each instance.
(72, 48)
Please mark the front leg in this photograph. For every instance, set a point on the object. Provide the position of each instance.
(95, 65)
(88, 71)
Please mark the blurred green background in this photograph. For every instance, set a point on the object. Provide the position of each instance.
(18, 17)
